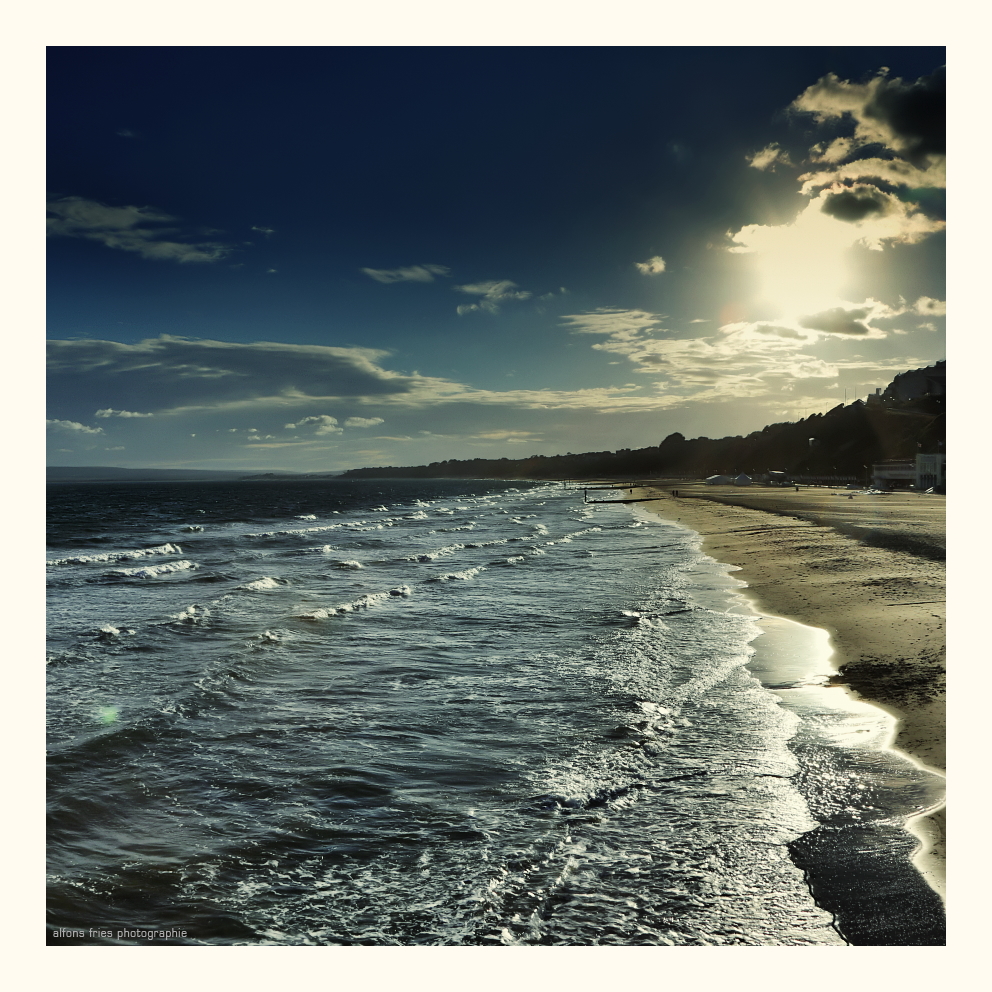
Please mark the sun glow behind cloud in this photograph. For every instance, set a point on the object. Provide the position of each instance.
(804, 265)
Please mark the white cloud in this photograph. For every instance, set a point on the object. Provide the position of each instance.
(893, 171)
(121, 413)
(363, 421)
(263, 230)
(652, 267)
(325, 424)
(768, 157)
(927, 307)
(410, 273)
(834, 151)
(73, 426)
(492, 293)
(129, 229)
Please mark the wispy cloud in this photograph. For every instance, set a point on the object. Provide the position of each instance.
(72, 426)
(409, 273)
(134, 229)
(492, 293)
(363, 421)
(121, 413)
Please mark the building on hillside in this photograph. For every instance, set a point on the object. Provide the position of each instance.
(894, 473)
(931, 381)
(920, 473)
(719, 480)
(930, 472)
(742, 480)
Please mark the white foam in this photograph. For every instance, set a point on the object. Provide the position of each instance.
(161, 549)
(514, 559)
(267, 582)
(349, 564)
(192, 614)
(469, 573)
(306, 516)
(438, 553)
(296, 530)
(109, 630)
(362, 603)
(150, 571)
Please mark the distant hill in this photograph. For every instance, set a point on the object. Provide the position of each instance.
(841, 442)
(98, 473)
(102, 473)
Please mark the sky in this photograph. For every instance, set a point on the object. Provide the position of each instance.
(315, 259)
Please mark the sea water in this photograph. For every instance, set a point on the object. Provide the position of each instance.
(443, 712)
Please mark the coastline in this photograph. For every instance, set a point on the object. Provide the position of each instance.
(869, 571)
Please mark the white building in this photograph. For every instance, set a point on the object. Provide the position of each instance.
(930, 471)
(923, 472)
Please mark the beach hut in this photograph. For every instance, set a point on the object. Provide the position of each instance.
(719, 480)
(742, 480)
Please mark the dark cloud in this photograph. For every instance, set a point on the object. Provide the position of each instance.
(779, 332)
(837, 321)
(168, 372)
(856, 204)
(906, 118)
(915, 114)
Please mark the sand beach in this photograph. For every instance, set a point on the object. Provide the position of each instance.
(870, 570)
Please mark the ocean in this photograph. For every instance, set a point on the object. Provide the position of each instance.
(436, 712)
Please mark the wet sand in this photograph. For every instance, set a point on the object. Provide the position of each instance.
(870, 570)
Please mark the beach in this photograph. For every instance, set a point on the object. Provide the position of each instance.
(868, 569)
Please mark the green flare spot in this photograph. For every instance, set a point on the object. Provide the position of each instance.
(107, 714)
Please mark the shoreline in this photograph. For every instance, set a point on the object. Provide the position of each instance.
(869, 571)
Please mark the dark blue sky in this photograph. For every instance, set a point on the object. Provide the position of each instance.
(289, 195)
